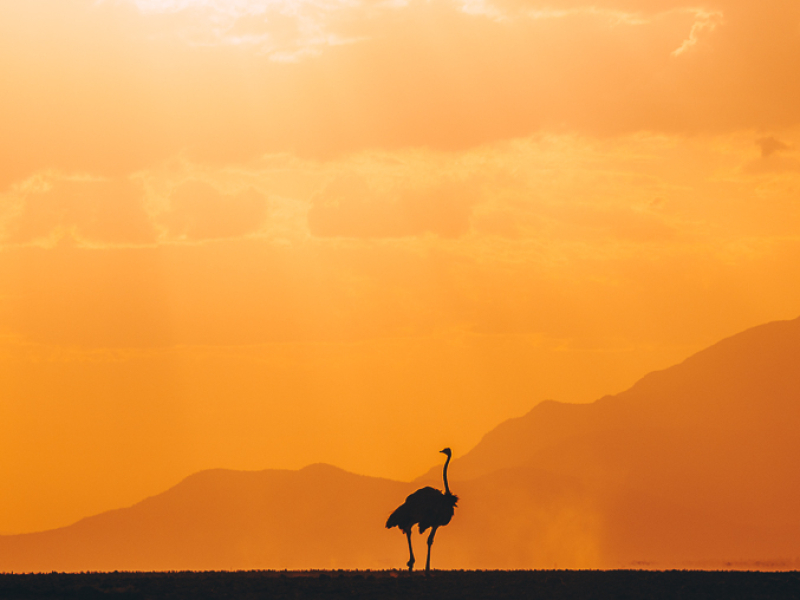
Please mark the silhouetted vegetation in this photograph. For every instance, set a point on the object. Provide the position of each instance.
(387, 585)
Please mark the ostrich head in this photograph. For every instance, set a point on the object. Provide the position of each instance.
(446, 451)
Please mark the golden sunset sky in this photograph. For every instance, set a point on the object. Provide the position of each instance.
(267, 233)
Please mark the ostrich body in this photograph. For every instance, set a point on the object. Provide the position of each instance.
(427, 507)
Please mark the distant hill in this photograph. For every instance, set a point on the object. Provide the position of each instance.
(695, 465)
(319, 516)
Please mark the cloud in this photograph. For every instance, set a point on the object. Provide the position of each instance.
(199, 211)
(89, 210)
(705, 21)
(770, 145)
(105, 88)
(773, 164)
(283, 30)
(538, 235)
(624, 224)
(348, 207)
(773, 160)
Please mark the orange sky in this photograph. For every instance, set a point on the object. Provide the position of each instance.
(257, 234)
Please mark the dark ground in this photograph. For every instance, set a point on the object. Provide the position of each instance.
(544, 585)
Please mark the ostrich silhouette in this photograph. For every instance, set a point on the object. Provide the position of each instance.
(427, 507)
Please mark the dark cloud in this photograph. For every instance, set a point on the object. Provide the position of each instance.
(772, 160)
(770, 145)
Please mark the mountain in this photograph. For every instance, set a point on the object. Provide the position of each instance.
(694, 466)
(319, 516)
(746, 387)
(713, 439)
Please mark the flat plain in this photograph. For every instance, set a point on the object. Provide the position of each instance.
(544, 585)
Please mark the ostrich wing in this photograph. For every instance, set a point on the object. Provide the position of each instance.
(427, 506)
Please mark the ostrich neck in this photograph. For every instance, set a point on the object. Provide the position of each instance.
(444, 476)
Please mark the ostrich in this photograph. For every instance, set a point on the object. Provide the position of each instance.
(427, 507)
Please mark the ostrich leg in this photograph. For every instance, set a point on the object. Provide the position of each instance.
(430, 543)
(411, 560)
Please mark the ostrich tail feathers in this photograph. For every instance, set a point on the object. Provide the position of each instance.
(398, 518)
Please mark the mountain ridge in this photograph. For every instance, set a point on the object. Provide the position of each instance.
(465, 467)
